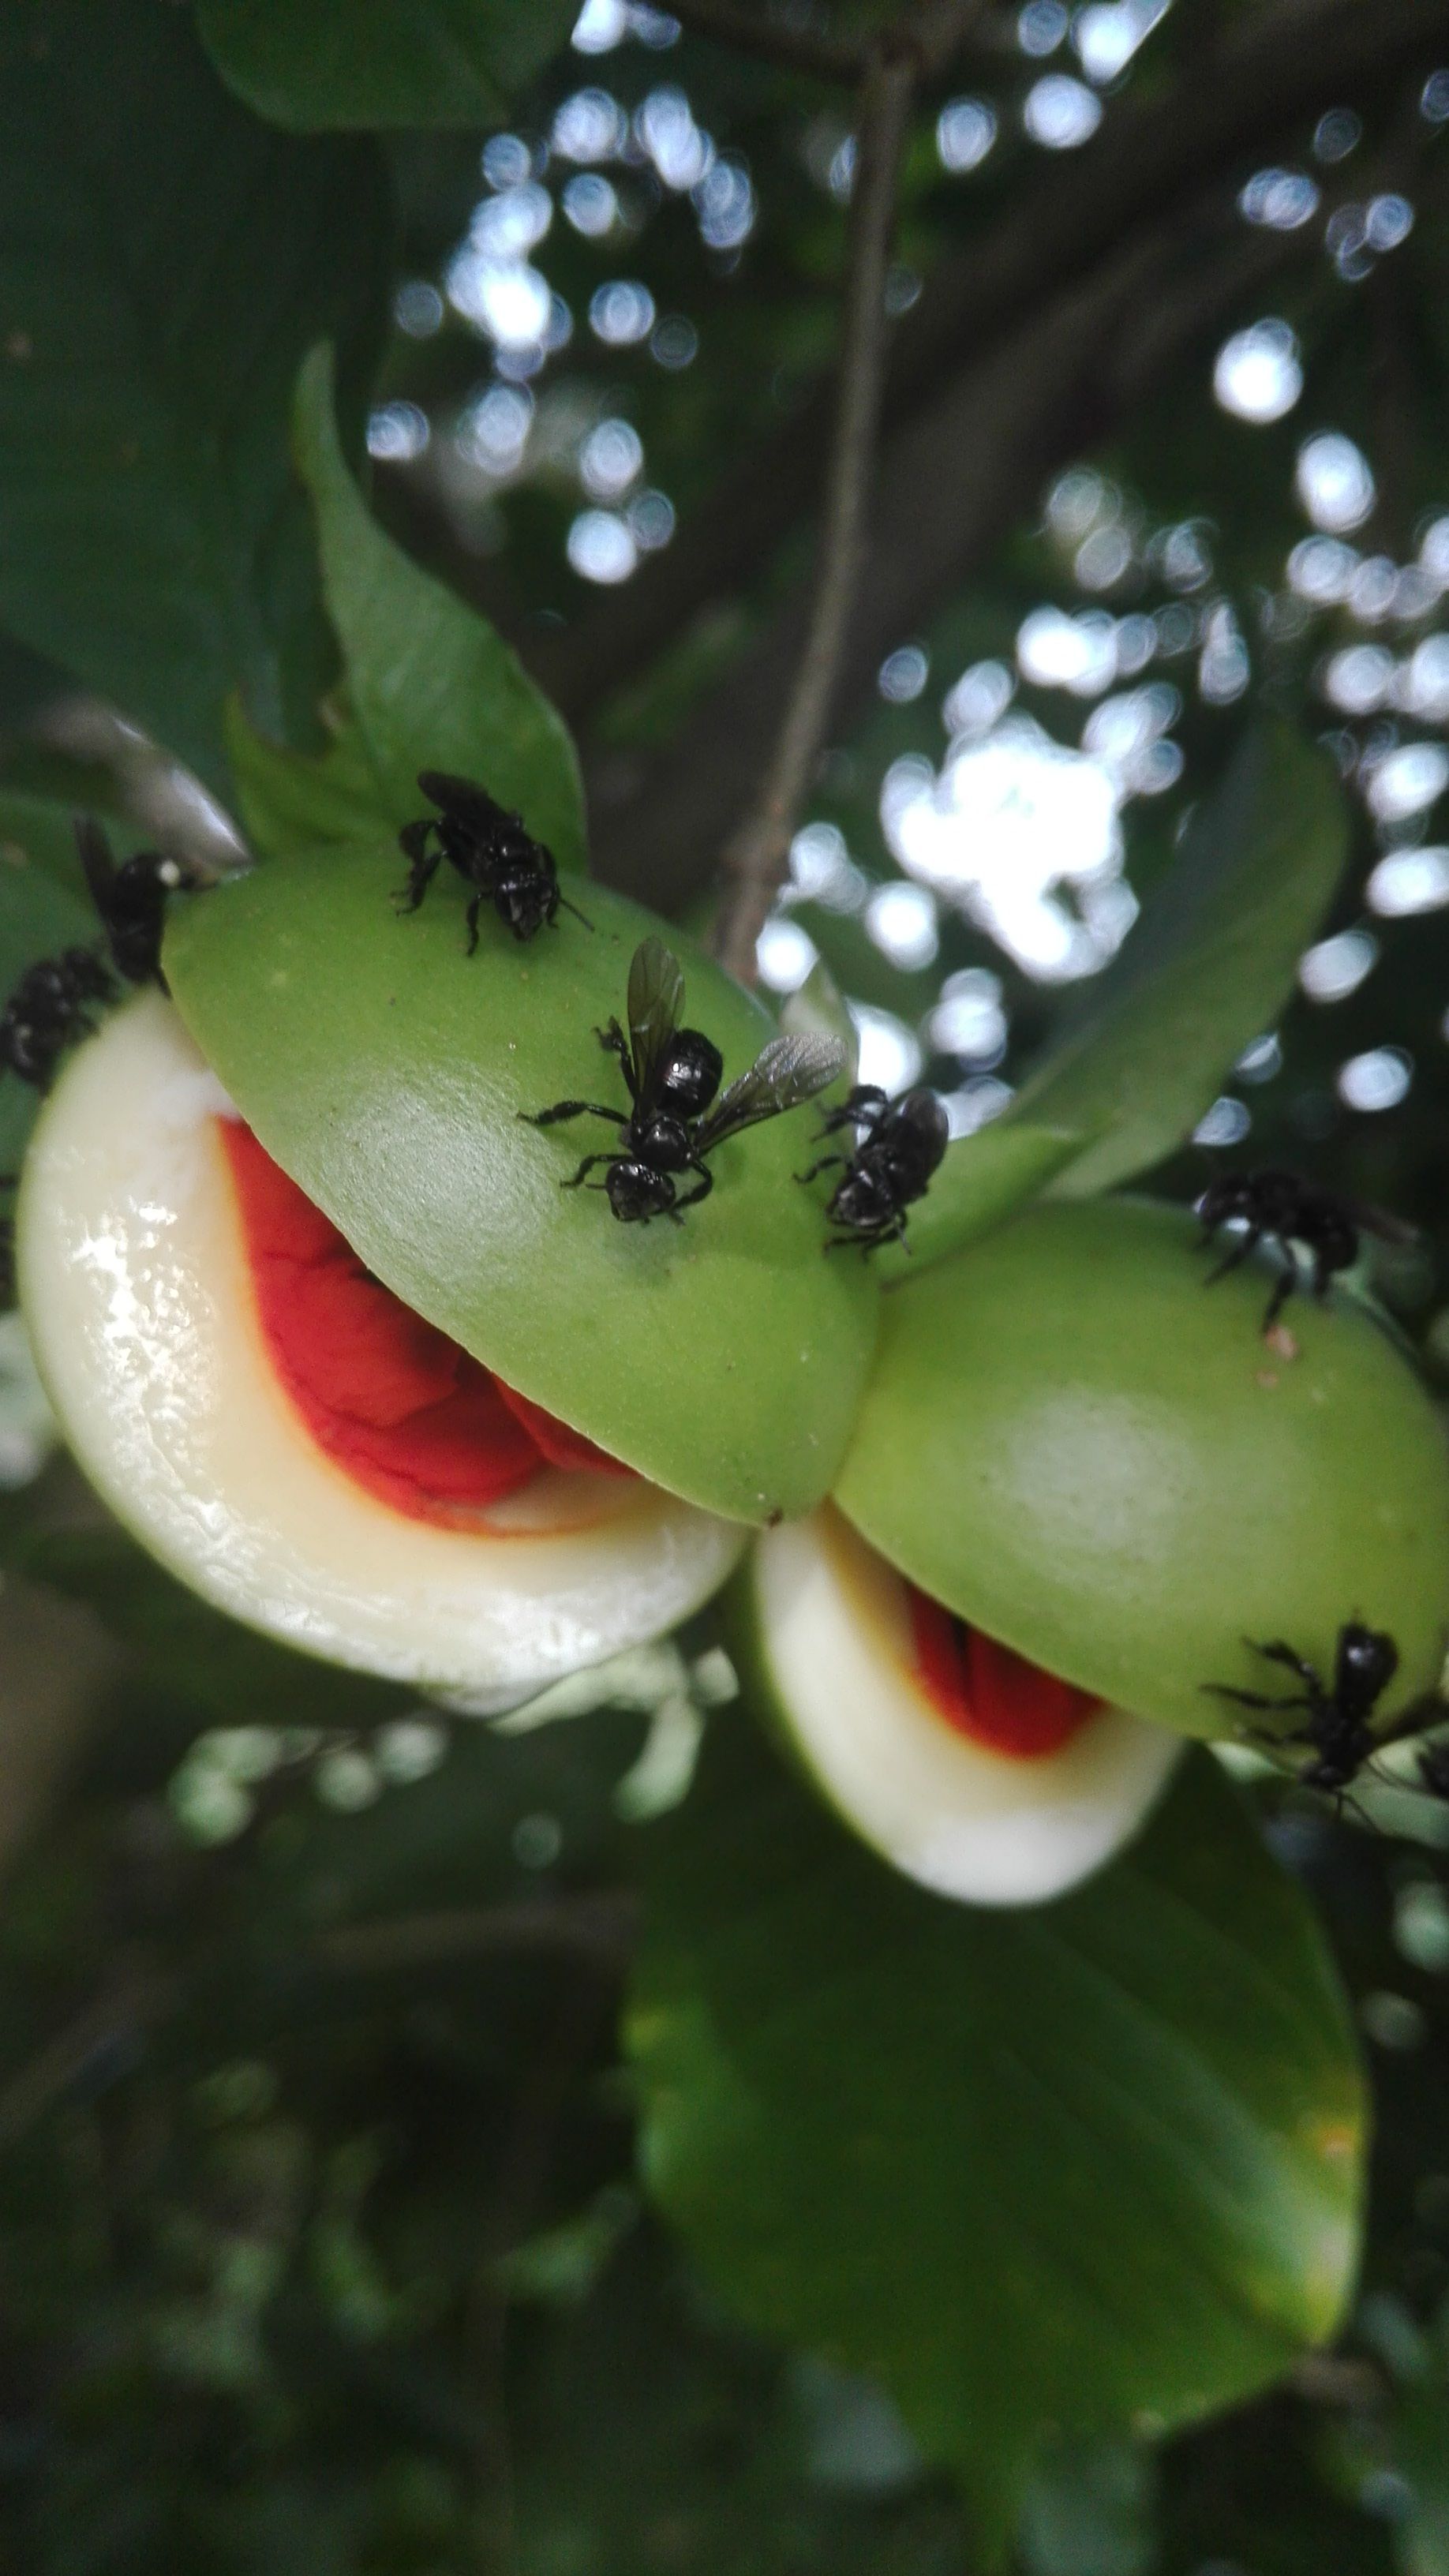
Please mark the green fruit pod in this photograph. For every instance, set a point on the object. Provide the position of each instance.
(390, 1074)
(965, 1767)
(152, 1334)
(1084, 1450)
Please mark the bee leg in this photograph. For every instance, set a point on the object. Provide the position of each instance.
(1234, 1260)
(1256, 1699)
(1276, 1652)
(571, 1109)
(423, 864)
(588, 1164)
(864, 1106)
(1283, 1289)
(870, 1239)
(614, 1042)
(701, 1189)
(474, 908)
(1324, 1268)
(827, 1162)
(894, 1233)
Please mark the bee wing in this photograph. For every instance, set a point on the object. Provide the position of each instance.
(925, 1111)
(1377, 1221)
(783, 1074)
(442, 788)
(656, 998)
(96, 859)
(461, 796)
(1389, 1229)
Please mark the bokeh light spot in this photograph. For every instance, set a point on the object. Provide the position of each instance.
(1061, 113)
(1257, 375)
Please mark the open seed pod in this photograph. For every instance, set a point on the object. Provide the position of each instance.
(981, 1776)
(1082, 1449)
(385, 1070)
(285, 1435)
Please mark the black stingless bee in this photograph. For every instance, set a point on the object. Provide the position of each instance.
(131, 900)
(1286, 1210)
(672, 1075)
(51, 1005)
(49, 1009)
(1337, 1727)
(899, 1144)
(492, 853)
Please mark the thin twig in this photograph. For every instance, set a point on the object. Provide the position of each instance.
(519, 2186)
(599, 1928)
(755, 858)
(106, 2030)
(929, 35)
(110, 2030)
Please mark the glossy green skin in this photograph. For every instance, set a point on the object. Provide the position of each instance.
(384, 1069)
(1085, 1452)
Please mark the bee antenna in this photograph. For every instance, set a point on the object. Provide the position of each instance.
(573, 908)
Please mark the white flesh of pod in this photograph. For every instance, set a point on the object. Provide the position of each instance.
(834, 1632)
(137, 1296)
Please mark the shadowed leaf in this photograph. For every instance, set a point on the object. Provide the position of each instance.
(431, 685)
(1084, 2165)
(165, 261)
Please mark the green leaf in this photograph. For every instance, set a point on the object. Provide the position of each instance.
(1208, 967)
(430, 683)
(818, 1008)
(43, 898)
(1084, 2167)
(27, 683)
(291, 800)
(983, 1179)
(310, 64)
(165, 262)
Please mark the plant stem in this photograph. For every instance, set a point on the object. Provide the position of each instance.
(930, 35)
(595, 1929)
(754, 861)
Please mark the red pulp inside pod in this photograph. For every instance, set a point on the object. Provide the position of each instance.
(408, 1414)
(988, 1693)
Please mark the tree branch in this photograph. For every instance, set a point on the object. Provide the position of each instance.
(754, 861)
(1149, 158)
(950, 481)
(772, 40)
